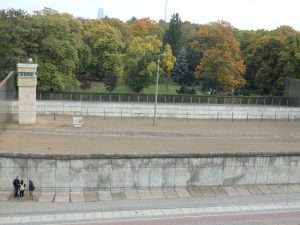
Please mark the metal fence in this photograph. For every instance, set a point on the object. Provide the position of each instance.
(106, 97)
(7, 94)
(292, 90)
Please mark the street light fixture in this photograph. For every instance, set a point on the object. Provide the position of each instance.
(156, 90)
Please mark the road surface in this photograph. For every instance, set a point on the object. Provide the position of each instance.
(259, 218)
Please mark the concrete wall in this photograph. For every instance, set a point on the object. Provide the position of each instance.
(7, 94)
(192, 111)
(292, 90)
(113, 171)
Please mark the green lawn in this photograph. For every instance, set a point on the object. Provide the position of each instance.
(95, 87)
(98, 87)
(162, 89)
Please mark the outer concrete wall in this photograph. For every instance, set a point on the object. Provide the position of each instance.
(193, 111)
(112, 171)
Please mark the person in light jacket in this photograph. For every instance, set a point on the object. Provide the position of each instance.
(22, 188)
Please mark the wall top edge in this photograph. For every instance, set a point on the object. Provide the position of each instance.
(11, 73)
(144, 155)
(27, 65)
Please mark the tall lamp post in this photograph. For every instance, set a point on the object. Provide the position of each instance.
(156, 90)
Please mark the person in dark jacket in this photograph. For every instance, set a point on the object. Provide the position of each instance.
(16, 184)
(31, 188)
(22, 188)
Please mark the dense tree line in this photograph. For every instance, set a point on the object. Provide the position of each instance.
(216, 56)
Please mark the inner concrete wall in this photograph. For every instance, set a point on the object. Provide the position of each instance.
(292, 90)
(115, 171)
(192, 111)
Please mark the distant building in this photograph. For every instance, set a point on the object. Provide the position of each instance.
(100, 13)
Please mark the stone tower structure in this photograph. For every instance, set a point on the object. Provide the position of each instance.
(27, 81)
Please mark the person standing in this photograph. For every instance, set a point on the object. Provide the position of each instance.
(16, 184)
(31, 188)
(22, 189)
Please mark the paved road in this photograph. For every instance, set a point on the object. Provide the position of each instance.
(259, 218)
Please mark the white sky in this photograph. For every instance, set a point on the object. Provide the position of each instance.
(243, 14)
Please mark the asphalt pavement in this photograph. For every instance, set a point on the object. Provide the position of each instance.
(168, 209)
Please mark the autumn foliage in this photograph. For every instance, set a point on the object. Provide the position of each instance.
(222, 61)
(76, 52)
(146, 27)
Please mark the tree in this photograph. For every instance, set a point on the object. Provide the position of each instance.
(57, 42)
(273, 57)
(140, 62)
(173, 35)
(221, 60)
(181, 72)
(106, 47)
(146, 27)
(110, 81)
(14, 32)
(50, 78)
(168, 63)
(131, 20)
(246, 39)
(84, 56)
(126, 33)
(69, 49)
(188, 31)
(193, 58)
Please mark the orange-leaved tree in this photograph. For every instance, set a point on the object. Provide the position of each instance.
(146, 27)
(221, 59)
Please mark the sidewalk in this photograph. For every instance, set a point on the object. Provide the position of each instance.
(145, 194)
(57, 208)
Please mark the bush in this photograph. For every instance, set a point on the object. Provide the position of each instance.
(85, 81)
(186, 90)
(110, 81)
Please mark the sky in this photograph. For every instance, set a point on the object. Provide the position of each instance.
(243, 14)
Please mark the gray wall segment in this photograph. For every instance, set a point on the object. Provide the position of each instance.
(7, 97)
(250, 175)
(262, 175)
(104, 178)
(113, 171)
(192, 111)
(294, 177)
(292, 90)
(156, 177)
